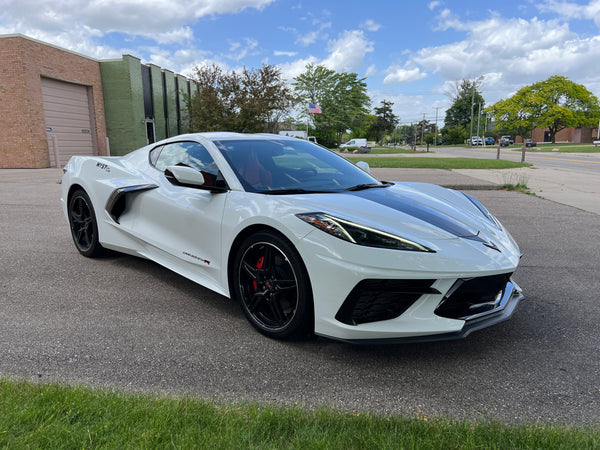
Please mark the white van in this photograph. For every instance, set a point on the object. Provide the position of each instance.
(355, 143)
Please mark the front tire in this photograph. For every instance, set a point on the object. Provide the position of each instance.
(84, 227)
(272, 286)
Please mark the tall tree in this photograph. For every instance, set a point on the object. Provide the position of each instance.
(555, 103)
(560, 103)
(342, 96)
(516, 114)
(386, 119)
(251, 101)
(465, 98)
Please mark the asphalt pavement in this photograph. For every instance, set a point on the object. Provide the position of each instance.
(126, 323)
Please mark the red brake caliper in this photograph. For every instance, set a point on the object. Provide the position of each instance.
(259, 265)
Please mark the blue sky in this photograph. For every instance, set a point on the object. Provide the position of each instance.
(410, 52)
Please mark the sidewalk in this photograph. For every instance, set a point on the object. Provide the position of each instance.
(562, 186)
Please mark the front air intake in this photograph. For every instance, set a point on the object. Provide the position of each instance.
(471, 297)
(376, 300)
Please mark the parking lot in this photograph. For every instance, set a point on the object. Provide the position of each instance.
(126, 323)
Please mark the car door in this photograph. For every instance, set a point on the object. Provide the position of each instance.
(182, 224)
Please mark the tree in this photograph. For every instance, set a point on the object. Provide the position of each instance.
(454, 135)
(555, 103)
(366, 129)
(342, 96)
(516, 113)
(386, 119)
(465, 97)
(251, 101)
(422, 128)
(407, 134)
(560, 103)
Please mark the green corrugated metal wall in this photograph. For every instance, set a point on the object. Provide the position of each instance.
(123, 92)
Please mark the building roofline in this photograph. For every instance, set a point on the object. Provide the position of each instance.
(47, 44)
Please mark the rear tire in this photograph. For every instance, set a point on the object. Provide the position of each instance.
(84, 227)
(272, 285)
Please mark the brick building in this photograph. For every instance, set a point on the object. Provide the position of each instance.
(578, 135)
(55, 103)
(51, 104)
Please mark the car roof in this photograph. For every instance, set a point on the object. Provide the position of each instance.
(229, 136)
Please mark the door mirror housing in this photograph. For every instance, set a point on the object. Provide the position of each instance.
(364, 166)
(185, 176)
(190, 177)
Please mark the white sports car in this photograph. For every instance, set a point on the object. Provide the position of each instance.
(306, 241)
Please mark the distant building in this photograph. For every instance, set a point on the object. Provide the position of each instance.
(575, 135)
(55, 103)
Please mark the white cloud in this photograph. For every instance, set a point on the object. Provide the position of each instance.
(511, 46)
(370, 25)
(239, 51)
(433, 5)
(181, 35)
(160, 20)
(284, 53)
(293, 69)
(396, 74)
(371, 71)
(570, 10)
(347, 52)
(317, 33)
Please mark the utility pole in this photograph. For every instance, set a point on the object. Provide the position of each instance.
(472, 102)
(478, 118)
(475, 84)
(422, 127)
(436, 120)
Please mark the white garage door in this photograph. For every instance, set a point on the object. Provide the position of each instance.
(68, 120)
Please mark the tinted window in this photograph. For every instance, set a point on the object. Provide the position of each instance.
(189, 154)
(154, 154)
(277, 165)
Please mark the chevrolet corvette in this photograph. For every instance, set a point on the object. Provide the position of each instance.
(307, 242)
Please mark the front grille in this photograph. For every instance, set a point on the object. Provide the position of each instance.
(473, 297)
(376, 300)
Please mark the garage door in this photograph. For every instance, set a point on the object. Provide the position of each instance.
(68, 120)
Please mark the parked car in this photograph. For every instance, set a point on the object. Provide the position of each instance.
(505, 141)
(530, 143)
(304, 240)
(476, 140)
(490, 140)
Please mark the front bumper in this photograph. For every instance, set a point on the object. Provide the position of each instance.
(502, 312)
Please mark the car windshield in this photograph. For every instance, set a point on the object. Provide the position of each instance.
(282, 166)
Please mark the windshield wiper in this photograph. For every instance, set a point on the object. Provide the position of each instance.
(362, 187)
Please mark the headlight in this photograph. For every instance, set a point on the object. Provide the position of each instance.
(360, 234)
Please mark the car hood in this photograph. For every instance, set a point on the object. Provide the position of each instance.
(414, 210)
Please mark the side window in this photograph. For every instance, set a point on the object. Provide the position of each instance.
(154, 154)
(189, 154)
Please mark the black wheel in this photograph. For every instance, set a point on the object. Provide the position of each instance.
(271, 283)
(84, 227)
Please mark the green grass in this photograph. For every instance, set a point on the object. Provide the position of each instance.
(439, 163)
(53, 416)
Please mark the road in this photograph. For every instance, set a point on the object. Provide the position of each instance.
(126, 323)
(569, 178)
(576, 162)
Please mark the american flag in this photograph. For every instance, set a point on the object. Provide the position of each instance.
(314, 109)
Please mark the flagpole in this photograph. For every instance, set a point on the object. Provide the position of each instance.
(307, 116)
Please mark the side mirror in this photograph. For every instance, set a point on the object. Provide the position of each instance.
(185, 176)
(364, 166)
